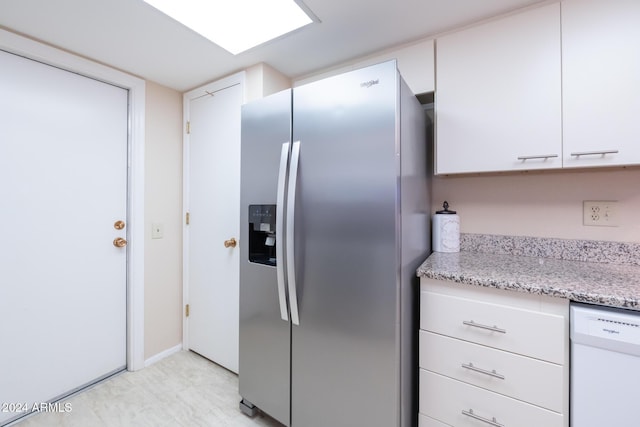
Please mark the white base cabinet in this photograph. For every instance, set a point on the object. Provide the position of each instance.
(424, 421)
(492, 356)
(459, 404)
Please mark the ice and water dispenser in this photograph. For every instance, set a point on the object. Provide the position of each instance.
(262, 234)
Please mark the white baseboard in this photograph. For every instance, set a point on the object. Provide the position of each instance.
(158, 357)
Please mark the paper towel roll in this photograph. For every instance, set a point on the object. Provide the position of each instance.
(446, 233)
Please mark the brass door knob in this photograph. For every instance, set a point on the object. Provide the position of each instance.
(118, 225)
(231, 243)
(119, 242)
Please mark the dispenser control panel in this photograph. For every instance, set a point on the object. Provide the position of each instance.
(262, 234)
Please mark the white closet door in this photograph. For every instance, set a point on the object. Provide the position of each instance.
(63, 185)
(214, 207)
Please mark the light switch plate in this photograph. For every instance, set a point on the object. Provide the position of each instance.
(157, 230)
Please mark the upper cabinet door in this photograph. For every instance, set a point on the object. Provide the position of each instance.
(498, 95)
(601, 82)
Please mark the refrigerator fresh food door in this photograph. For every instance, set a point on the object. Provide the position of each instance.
(345, 357)
(264, 365)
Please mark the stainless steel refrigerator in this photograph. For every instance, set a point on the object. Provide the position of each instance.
(335, 221)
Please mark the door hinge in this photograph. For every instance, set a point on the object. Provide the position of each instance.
(188, 127)
(187, 218)
(186, 310)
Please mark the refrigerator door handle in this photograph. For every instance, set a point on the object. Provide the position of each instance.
(282, 182)
(291, 212)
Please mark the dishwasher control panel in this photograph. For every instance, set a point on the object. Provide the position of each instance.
(614, 329)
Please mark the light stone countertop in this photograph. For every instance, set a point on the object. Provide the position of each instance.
(615, 285)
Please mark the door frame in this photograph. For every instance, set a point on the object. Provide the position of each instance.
(232, 80)
(49, 55)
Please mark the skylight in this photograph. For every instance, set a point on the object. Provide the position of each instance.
(236, 25)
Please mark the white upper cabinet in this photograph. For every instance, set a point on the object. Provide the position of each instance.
(601, 82)
(498, 95)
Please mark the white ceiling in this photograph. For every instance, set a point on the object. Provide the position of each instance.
(134, 37)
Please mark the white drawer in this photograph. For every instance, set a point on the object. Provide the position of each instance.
(424, 421)
(532, 380)
(444, 399)
(527, 332)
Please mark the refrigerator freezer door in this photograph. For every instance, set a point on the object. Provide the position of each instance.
(264, 365)
(345, 356)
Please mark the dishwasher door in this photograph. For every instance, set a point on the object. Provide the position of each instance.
(605, 366)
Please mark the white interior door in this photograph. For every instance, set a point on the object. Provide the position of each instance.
(63, 175)
(214, 212)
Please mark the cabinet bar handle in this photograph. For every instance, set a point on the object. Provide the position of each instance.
(491, 422)
(491, 373)
(493, 328)
(541, 156)
(594, 153)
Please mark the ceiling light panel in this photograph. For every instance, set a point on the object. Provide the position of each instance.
(236, 25)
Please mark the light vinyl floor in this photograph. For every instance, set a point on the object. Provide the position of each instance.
(181, 390)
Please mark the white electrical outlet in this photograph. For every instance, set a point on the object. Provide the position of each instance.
(600, 213)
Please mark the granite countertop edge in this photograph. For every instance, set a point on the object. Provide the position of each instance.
(610, 285)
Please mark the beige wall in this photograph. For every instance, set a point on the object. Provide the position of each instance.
(263, 80)
(163, 204)
(542, 204)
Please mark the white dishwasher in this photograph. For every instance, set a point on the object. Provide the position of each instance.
(605, 366)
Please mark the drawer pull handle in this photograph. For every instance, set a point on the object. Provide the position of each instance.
(493, 328)
(491, 422)
(491, 373)
(594, 153)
